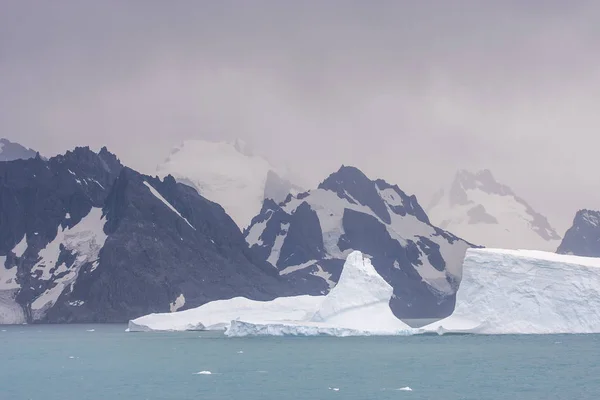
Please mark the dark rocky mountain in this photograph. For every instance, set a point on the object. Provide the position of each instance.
(85, 239)
(583, 237)
(10, 151)
(308, 236)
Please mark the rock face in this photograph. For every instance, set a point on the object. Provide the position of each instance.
(308, 236)
(85, 239)
(10, 151)
(583, 237)
(228, 173)
(481, 210)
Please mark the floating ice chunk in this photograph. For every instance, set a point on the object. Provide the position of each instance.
(90, 330)
(334, 389)
(203, 373)
(240, 352)
(405, 389)
(217, 315)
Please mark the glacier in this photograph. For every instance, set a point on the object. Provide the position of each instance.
(357, 305)
(525, 292)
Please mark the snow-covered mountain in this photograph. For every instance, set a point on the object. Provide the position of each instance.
(308, 237)
(86, 239)
(583, 237)
(228, 173)
(10, 151)
(481, 210)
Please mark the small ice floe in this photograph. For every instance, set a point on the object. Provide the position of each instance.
(557, 342)
(203, 373)
(3, 330)
(334, 389)
(405, 389)
(71, 357)
(240, 352)
(262, 372)
(90, 330)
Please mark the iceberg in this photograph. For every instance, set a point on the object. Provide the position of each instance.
(357, 305)
(525, 292)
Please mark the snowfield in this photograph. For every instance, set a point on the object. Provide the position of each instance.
(525, 292)
(502, 292)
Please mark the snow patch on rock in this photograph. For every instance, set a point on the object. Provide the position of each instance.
(20, 248)
(178, 303)
(166, 203)
(84, 240)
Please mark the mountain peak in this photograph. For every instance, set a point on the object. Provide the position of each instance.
(228, 173)
(242, 147)
(483, 180)
(583, 237)
(589, 217)
(484, 211)
(10, 151)
(307, 238)
(344, 176)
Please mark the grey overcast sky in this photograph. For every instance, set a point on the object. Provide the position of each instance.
(409, 91)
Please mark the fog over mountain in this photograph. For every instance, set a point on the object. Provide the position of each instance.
(407, 91)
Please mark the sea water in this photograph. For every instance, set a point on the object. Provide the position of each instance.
(99, 362)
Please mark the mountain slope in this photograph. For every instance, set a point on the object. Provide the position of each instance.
(583, 237)
(308, 237)
(479, 209)
(10, 151)
(229, 174)
(85, 239)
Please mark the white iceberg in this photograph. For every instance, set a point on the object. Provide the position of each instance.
(525, 292)
(501, 292)
(357, 305)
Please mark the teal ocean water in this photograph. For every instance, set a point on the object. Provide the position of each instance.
(103, 362)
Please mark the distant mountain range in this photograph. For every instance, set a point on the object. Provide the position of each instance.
(84, 238)
(481, 210)
(228, 173)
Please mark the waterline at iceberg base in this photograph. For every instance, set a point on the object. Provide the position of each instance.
(501, 292)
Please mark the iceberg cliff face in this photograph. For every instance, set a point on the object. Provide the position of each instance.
(358, 305)
(525, 292)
